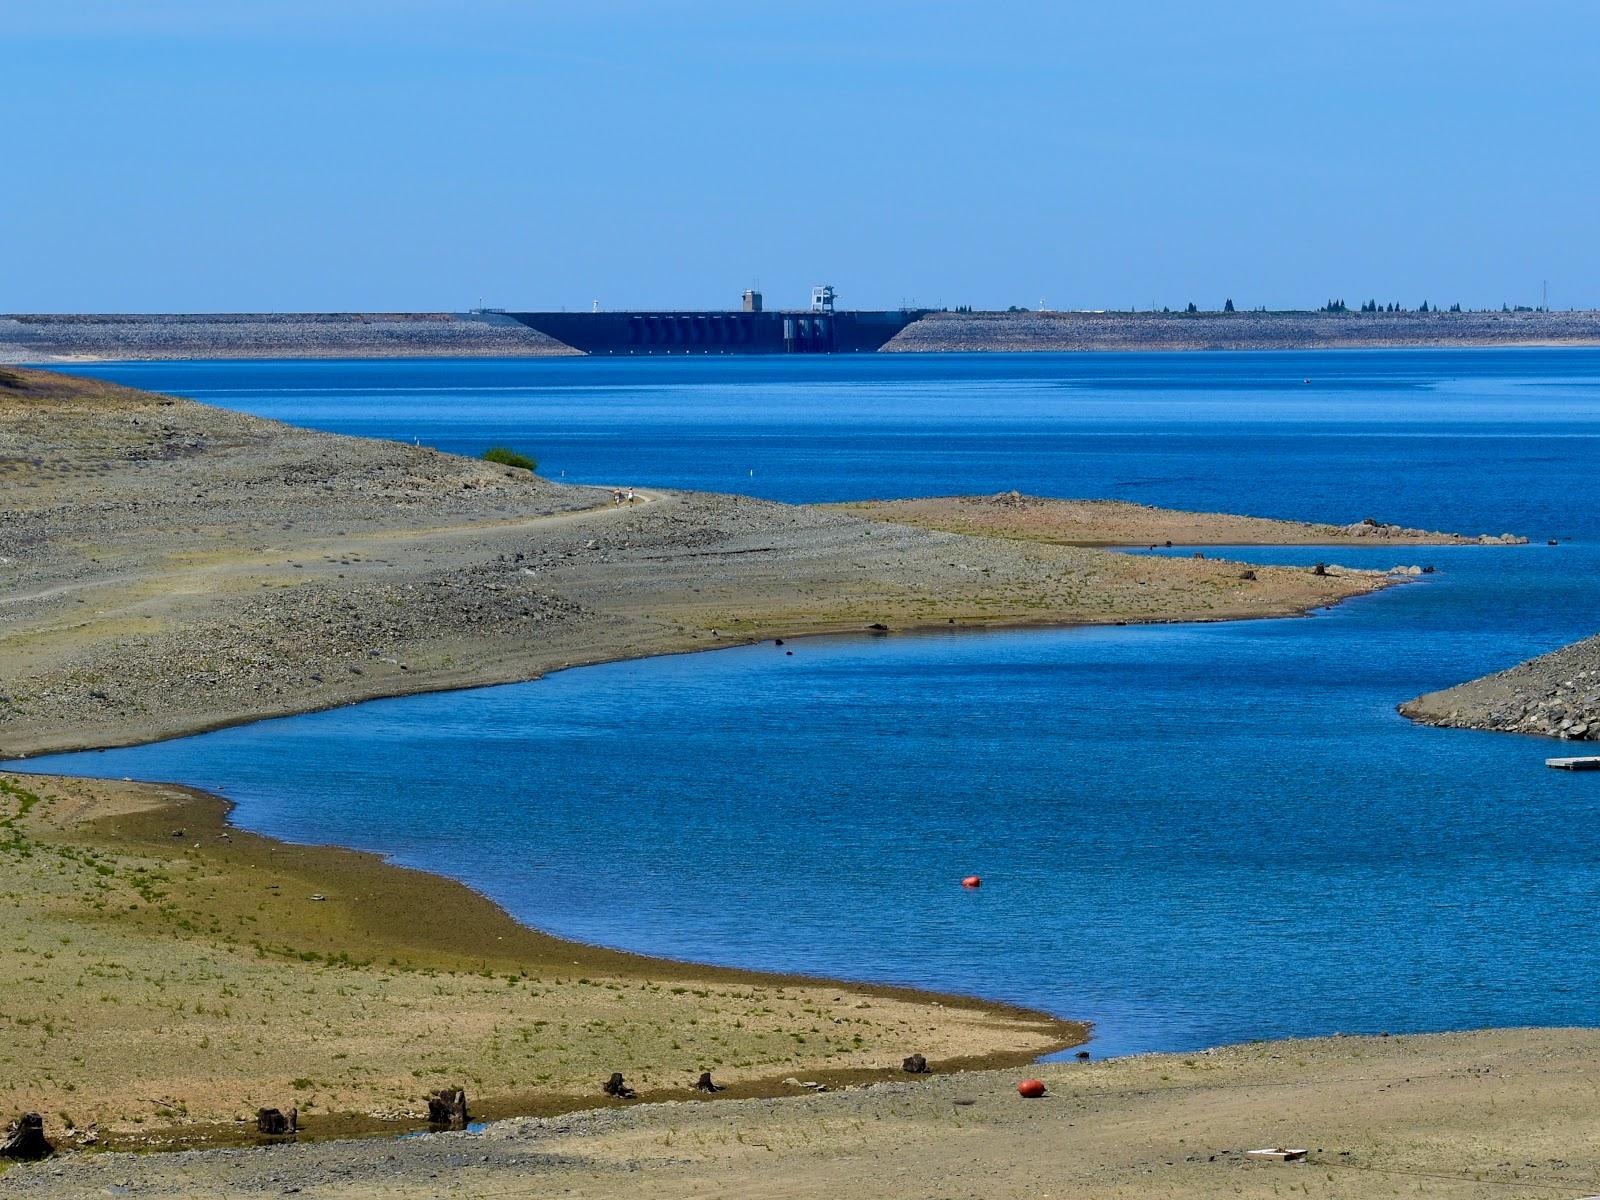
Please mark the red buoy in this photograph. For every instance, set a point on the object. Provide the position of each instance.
(1032, 1089)
(972, 881)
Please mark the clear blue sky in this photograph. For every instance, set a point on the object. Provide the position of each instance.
(401, 154)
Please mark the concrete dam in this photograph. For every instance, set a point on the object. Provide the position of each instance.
(820, 329)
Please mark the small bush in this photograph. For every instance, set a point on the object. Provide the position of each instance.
(507, 457)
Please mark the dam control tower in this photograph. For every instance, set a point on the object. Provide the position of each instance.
(820, 329)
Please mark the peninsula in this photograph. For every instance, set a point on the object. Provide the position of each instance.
(167, 567)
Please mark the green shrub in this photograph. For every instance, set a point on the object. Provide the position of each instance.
(507, 457)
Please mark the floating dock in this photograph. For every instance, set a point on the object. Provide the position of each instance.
(1589, 763)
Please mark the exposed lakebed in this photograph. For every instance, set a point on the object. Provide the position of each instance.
(1189, 834)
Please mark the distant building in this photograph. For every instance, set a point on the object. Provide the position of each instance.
(752, 301)
(822, 298)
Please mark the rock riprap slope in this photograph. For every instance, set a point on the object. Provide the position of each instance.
(84, 337)
(1013, 331)
(1556, 695)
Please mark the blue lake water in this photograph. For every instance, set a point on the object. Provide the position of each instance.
(1189, 834)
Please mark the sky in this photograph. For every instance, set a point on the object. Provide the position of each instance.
(385, 155)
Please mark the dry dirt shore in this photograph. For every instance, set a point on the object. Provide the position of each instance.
(1119, 523)
(1499, 1114)
(167, 567)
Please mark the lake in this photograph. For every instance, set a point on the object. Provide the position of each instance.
(1189, 834)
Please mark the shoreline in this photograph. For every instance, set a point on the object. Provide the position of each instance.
(432, 687)
(446, 926)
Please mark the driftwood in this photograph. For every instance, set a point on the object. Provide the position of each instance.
(915, 1065)
(276, 1123)
(25, 1139)
(615, 1087)
(447, 1107)
(704, 1084)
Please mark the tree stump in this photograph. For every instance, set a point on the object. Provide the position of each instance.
(615, 1087)
(274, 1123)
(915, 1065)
(25, 1139)
(447, 1108)
(704, 1084)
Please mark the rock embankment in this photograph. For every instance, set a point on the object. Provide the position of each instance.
(1243, 330)
(1555, 695)
(49, 338)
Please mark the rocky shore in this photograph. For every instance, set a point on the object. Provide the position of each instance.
(1555, 695)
